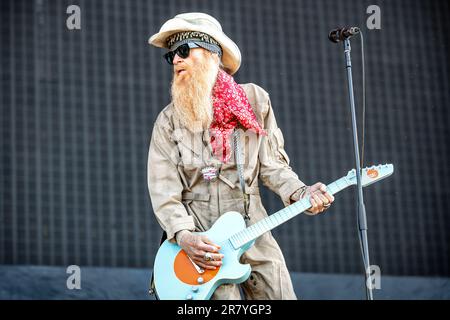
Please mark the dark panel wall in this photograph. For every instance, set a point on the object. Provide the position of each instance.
(77, 109)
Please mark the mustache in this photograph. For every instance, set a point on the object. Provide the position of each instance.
(178, 68)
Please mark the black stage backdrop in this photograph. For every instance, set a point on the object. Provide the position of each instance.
(77, 109)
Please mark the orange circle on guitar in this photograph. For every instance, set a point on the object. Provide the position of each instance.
(372, 173)
(186, 272)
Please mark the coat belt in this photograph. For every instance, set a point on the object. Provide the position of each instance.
(195, 196)
(186, 195)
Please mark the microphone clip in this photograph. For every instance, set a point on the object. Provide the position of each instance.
(341, 34)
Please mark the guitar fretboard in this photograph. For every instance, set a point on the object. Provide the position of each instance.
(271, 222)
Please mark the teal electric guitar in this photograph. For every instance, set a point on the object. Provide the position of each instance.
(178, 278)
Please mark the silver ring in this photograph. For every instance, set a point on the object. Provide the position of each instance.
(326, 206)
(207, 256)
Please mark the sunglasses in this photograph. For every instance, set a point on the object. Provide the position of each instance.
(182, 51)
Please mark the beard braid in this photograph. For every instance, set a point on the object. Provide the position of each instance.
(192, 97)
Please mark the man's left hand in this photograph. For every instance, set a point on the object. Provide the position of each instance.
(320, 199)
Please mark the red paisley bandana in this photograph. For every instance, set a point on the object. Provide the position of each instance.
(231, 107)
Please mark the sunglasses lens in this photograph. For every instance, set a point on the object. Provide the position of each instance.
(169, 57)
(183, 51)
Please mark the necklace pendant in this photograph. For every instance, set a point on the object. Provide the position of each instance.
(210, 173)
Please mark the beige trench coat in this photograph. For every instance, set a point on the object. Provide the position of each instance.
(182, 199)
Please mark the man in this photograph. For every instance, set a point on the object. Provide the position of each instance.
(193, 177)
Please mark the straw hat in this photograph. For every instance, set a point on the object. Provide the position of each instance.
(200, 22)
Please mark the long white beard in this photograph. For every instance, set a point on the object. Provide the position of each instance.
(192, 97)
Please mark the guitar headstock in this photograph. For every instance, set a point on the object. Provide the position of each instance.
(371, 174)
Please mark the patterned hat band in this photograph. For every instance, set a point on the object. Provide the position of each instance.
(201, 39)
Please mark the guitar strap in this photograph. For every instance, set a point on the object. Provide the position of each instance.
(240, 169)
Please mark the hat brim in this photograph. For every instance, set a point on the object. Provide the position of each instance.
(231, 55)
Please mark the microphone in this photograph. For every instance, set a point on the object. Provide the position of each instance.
(341, 34)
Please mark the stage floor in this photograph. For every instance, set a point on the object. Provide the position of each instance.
(48, 282)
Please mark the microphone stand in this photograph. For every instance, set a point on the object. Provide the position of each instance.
(361, 209)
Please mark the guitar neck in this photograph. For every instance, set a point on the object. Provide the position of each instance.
(271, 222)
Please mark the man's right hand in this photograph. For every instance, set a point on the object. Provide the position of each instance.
(196, 246)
